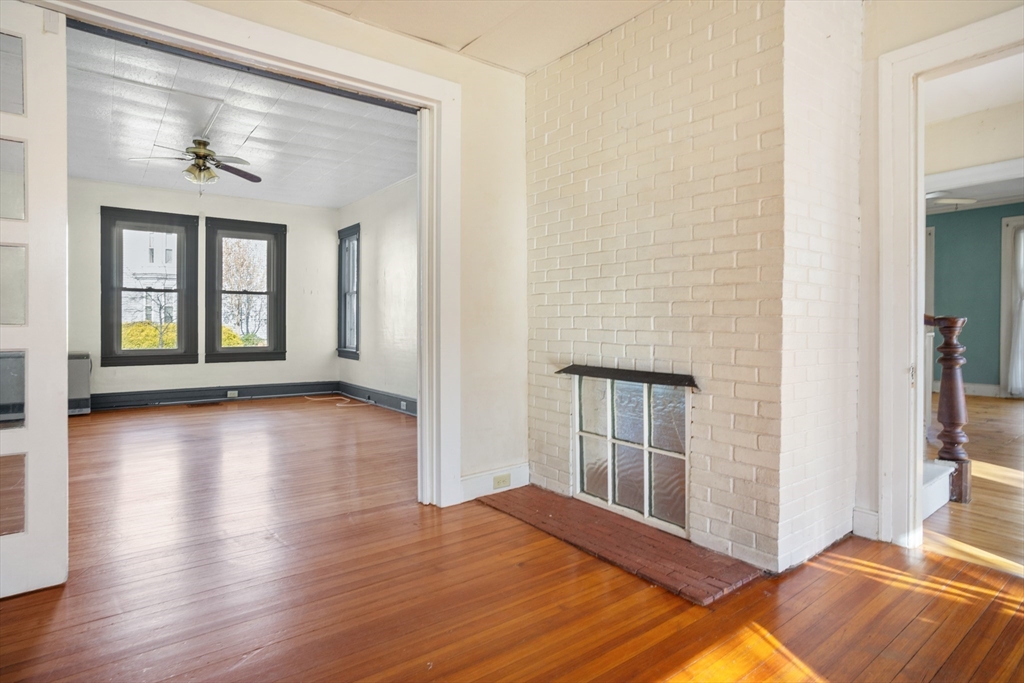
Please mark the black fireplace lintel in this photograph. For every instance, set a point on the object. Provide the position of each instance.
(664, 378)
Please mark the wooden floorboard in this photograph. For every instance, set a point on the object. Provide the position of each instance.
(990, 529)
(280, 540)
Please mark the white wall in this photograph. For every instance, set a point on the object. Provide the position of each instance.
(656, 243)
(888, 25)
(312, 281)
(493, 249)
(984, 137)
(388, 236)
(822, 81)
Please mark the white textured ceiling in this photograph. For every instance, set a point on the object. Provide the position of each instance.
(995, 84)
(310, 147)
(520, 35)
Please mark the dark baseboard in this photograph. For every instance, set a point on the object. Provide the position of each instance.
(140, 399)
(381, 398)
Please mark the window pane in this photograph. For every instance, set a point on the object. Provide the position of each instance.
(244, 319)
(594, 405)
(12, 179)
(12, 75)
(12, 494)
(668, 488)
(629, 411)
(668, 418)
(351, 316)
(12, 389)
(629, 477)
(244, 267)
(12, 285)
(139, 268)
(595, 466)
(149, 320)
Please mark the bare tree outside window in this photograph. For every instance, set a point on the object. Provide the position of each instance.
(245, 300)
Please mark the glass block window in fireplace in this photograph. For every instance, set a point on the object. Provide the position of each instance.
(631, 449)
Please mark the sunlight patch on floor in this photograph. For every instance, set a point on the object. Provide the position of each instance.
(748, 649)
(953, 589)
(940, 543)
(997, 473)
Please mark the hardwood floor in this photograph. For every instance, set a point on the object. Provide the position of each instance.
(990, 529)
(280, 540)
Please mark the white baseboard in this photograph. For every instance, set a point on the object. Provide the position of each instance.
(865, 523)
(476, 485)
(992, 390)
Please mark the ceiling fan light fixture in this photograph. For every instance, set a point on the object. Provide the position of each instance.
(199, 176)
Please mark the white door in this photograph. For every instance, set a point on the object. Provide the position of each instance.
(33, 299)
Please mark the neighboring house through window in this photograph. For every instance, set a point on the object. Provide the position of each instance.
(245, 290)
(133, 285)
(348, 292)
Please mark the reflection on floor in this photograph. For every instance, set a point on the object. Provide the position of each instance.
(990, 529)
(281, 539)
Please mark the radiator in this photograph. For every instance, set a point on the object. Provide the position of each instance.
(79, 369)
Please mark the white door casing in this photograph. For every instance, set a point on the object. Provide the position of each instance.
(1010, 225)
(38, 556)
(200, 29)
(902, 254)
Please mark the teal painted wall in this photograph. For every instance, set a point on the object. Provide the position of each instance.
(968, 247)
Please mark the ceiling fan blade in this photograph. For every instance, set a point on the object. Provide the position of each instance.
(166, 147)
(160, 159)
(233, 160)
(238, 172)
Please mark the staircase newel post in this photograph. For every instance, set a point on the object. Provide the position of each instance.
(953, 407)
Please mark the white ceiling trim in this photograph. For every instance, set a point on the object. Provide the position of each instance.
(518, 35)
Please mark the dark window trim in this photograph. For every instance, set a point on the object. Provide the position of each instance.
(276, 281)
(343, 234)
(79, 25)
(112, 220)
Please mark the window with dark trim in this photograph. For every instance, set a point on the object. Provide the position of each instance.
(245, 290)
(134, 285)
(348, 292)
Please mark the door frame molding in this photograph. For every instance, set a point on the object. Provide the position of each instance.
(901, 223)
(194, 27)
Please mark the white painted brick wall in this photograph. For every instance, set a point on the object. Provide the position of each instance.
(655, 229)
(822, 86)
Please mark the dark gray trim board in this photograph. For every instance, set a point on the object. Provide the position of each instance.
(140, 399)
(381, 398)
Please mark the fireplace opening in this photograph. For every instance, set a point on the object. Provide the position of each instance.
(631, 434)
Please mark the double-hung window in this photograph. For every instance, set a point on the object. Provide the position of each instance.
(245, 290)
(348, 292)
(148, 308)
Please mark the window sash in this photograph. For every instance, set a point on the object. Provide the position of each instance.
(348, 292)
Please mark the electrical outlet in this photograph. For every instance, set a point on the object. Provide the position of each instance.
(502, 481)
(403, 405)
(232, 393)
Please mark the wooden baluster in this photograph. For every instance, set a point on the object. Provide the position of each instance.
(953, 406)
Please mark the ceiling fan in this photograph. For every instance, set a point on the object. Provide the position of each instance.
(204, 160)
